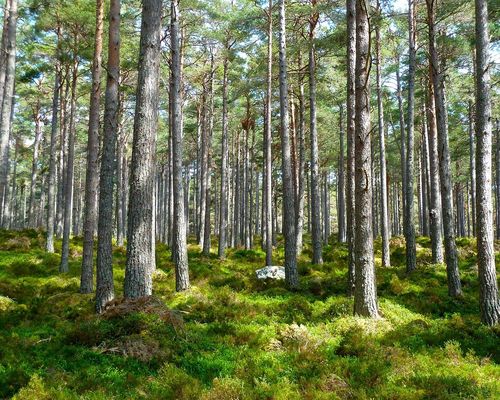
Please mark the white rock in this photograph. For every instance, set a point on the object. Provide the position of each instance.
(271, 272)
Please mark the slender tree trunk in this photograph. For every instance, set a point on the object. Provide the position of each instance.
(49, 243)
(223, 214)
(203, 164)
(14, 201)
(208, 197)
(251, 190)
(302, 159)
(63, 139)
(104, 270)
(69, 172)
(425, 176)
(435, 205)
(365, 297)
(472, 166)
(6, 111)
(317, 257)
(179, 231)
(4, 47)
(411, 256)
(119, 186)
(268, 167)
(138, 269)
(488, 289)
(341, 181)
(402, 140)
(91, 181)
(289, 221)
(454, 285)
(34, 166)
(351, 139)
(326, 213)
(384, 216)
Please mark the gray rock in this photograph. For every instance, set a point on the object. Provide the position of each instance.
(271, 272)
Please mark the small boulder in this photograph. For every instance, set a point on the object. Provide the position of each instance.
(271, 272)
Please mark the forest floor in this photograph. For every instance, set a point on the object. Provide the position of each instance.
(234, 337)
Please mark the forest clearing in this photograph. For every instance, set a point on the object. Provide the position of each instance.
(250, 199)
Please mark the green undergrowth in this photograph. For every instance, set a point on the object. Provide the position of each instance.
(233, 337)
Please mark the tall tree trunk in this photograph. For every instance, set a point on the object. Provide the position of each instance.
(6, 111)
(34, 165)
(488, 289)
(291, 274)
(203, 165)
(138, 269)
(208, 197)
(317, 257)
(104, 270)
(411, 256)
(51, 189)
(472, 166)
(268, 192)
(326, 212)
(92, 177)
(365, 297)
(14, 201)
(425, 175)
(435, 205)
(351, 139)
(223, 214)
(62, 160)
(120, 181)
(402, 139)
(302, 159)
(454, 285)
(179, 231)
(4, 46)
(69, 172)
(341, 181)
(384, 216)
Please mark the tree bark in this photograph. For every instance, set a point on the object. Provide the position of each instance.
(6, 111)
(435, 205)
(317, 257)
(341, 181)
(425, 176)
(402, 140)
(411, 256)
(384, 216)
(289, 221)
(472, 166)
(34, 165)
(365, 297)
(104, 270)
(488, 290)
(179, 231)
(138, 269)
(351, 138)
(302, 159)
(454, 285)
(208, 183)
(268, 192)
(51, 189)
(223, 214)
(69, 172)
(92, 177)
